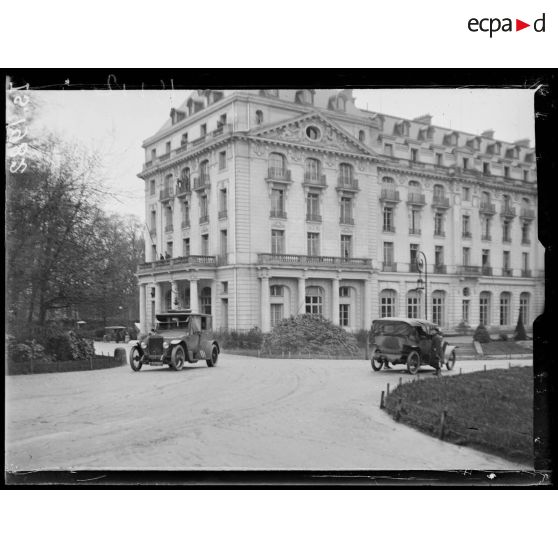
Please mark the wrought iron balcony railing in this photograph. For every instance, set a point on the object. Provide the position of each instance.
(527, 213)
(440, 268)
(389, 195)
(508, 211)
(486, 270)
(441, 202)
(347, 183)
(223, 214)
(208, 261)
(526, 273)
(344, 220)
(468, 270)
(278, 174)
(314, 217)
(487, 208)
(414, 231)
(416, 199)
(322, 261)
(166, 193)
(466, 234)
(315, 179)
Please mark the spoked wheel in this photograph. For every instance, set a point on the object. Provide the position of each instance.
(376, 361)
(211, 362)
(135, 359)
(451, 361)
(413, 362)
(177, 357)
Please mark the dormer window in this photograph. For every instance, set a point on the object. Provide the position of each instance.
(203, 130)
(184, 139)
(303, 97)
(259, 117)
(361, 136)
(414, 155)
(341, 103)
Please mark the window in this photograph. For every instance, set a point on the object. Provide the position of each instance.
(312, 171)
(438, 191)
(276, 165)
(466, 256)
(312, 133)
(415, 221)
(168, 147)
(153, 154)
(466, 193)
(277, 241)
(526, 175)
(387, 303)
(153, 220)
(277, 202)
(313, 300)
(524, 307)
(184, 139)
(413, 304)
(414, 155)
(185, 214)
(438, 307)
(203, 130)
(168, 182)
(361, 136)
(439, 224)
(506, 260)
(341, 103)
(344, 315)
(484, 308)
(225, 287)
(222, 160)
(168, 253)
(276, 290)
(204, 206)
(152, 187)
(153, 252)
(313, 243)
(223, 243)
(438, 256)
(413, 253)
(388, 149)
(466, 226)
(506, 231)
(525, 233)
(388, 180)
(505, 309)
(204, 171)
(465, 304)
(313, 207)
(506, 172)
(346, 174)
(205, 300)
(276, 314)
(525, 261)
(388, 219)
(346, 211)
(168, 218)
(222, 200)
(346, 246)
(388, 253)
(259, 117)
(485, 259)
(303, 96)
(465, 162)
(185, 177)
(205, 244)
(485, 225)
(185, 247)
(222, 120)
(439, 159)
(344, 292)
(486, 168)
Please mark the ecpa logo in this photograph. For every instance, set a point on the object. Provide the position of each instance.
(494, 24)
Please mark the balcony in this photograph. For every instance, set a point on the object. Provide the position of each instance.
(167, 193)
(223, 214)
(169, 228)
(199, 141)
(469, 270)
(440, 233)
(317, 181)
(177, 263)
(390, 266)
(508, 212)
(507, 272)
(321, 261)
(278, 174)
(389, 196)
(487, 208)
(415, 231)
(526, 273)
(440, 268)
(525, 242)
(528, 214)
(313, 218)
(204, 219)
(185, 224)
(164, 157)
(278, 214)
(183, 189)
(416, 199)
(344, 220)
(486, 237)
(223, 259)
(441, 202)
(506, 239)
(466, 234)
(486, 270)
(388, 229)
(147, 164)
(183, 147)
(222, 130)
(347, 183)
(201, 182)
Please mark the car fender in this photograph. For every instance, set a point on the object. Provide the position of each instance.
(447, 352)
(176, 342)
(136, 343)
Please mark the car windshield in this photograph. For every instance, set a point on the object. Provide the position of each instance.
(172, 322)
(392, 328)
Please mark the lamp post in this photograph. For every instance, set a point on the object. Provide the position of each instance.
(422, 265)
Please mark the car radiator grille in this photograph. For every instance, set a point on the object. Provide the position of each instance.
(155, 346)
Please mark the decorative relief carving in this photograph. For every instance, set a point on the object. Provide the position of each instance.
(204, 229)
(313, 228)
(259, 149)
(278, 224)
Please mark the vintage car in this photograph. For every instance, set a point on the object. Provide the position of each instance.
(114, 333)
(406, 341)
(180, 336)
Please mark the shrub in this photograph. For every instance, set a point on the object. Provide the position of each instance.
(462, 328)
(232, 339)
(312, 333)
(362, 336)
(503, 336)
(520, 333)
(481, 334)
(70, 346)
(24, 352)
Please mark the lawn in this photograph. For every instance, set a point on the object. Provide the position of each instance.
(491, 410)
(504, 348)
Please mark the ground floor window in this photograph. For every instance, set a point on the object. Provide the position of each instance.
(314, 304)
(413, 305)
(438, 307)
(484, 308)
(344, 315)
(505, 309)
(168, 300)
(277, 314)
(206, 300)
(387, 303)
(524, 307)
(465, 304)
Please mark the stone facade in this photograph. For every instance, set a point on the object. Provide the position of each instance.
(263, 204)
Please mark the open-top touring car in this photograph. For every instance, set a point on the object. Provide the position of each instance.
(180, 336)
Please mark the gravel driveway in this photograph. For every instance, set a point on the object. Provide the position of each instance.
(246, 413)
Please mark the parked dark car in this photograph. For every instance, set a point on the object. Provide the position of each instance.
(407, 341)
(180, 336)
(115, 333)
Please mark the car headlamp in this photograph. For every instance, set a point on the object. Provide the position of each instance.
(143, 345)
(165, 344)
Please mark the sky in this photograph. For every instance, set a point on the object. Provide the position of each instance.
(116, 122)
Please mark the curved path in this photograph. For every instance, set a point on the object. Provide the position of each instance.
(246, 413)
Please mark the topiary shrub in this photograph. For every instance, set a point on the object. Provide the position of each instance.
(310, 333)
(520, 334)
(481, 334)
(70, 346)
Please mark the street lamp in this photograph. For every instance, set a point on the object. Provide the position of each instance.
(423, 285)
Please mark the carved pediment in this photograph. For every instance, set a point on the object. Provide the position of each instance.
(314, 131)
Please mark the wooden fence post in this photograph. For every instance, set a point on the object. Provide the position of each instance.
(443, 423)
(398, 410)
(382, 402)
(387, 390)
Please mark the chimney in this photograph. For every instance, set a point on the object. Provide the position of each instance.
(424, 119)
(488, 134)
(525, 142)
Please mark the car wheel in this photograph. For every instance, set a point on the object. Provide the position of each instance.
(211, 362)
(135, 359)
(451, 361)
(413, 362)
(376, 361)
(177, 357)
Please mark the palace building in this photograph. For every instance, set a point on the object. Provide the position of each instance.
(261, 204)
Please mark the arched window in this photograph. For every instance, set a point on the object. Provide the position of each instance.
(505, 302)
(346, 174)
(185, 177)
(484, 308)
(414, 187)
(314, 300)
(205, 300)
(388, 180)
(524, 307)
(485, 198)
(276, 165)
(413, 304)
(259, 117)
(388, 298)
(341, 103)
(312, 170)
(438, 307)
(168, 181)
(361, 136)
(438, 191)
(303, 97)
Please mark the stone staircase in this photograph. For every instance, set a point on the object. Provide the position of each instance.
(465, 351)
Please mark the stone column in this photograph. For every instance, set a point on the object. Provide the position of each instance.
(301, 308)
(402, 300)
(158, 297)
(214, 309)
(142, 308)
(194, 302)
(367, 314)
(264, 302)
(174, 295)
(335, 300)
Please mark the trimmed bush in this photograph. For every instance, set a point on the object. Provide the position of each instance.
(520, 333)
(462, 328)
(503, 336)
(310, 333)
(70, 346)
(481, 334)
(24, 352)
(232, 339)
